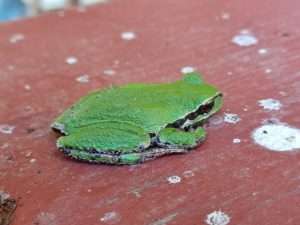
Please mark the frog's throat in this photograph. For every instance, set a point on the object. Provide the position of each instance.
(200, 114)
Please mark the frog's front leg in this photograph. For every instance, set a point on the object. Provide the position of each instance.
(112, 142)
(176, 138)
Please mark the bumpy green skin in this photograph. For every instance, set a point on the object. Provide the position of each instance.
(137, 122)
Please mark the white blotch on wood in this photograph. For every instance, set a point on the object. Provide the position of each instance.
(11, 67)
(32, 160)
(225, 16)
(128, 35)
(268, 70)
(83, 78)
(111, 218)
(174, 179)
(16, 38)
(283, 93)
(236, 141)
(71, 60)
(277, 137)
(188, 173)
(270, 104)
(6, 129)
(27, 87)
(217, 218)
(187, 69)
(262, 51)
(109, 72)
(231, 118)
(165, 220)
(244, 39)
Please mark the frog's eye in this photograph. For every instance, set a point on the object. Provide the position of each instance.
(193, 78)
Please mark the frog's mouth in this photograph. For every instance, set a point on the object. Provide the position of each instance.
(200, 115)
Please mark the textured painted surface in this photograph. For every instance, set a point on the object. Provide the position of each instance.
(250, 184)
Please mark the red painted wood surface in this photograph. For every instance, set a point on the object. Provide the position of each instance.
(252, 185)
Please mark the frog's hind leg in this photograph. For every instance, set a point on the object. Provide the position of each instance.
(111, 142)
(179, 139)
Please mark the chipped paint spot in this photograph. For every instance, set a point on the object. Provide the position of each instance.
(45, 218)
(225, 16)
(71, 60)
(187, 69)
(229, 73)
(216, 120)
(244, 39)
(277, 137)
(283, 93)
(11, 67)
(27, 87)
(231, 118)
(174, 179)
(32, 160)
(5, 145)
(188, 173)
(270, 104)
(128, 35)
(111, 218)
(236, 141)
(268, 70)
(83, 78)
(109, 72)
(262, 51)
(165, 220)
(16, 38)
(217, 218)
(6, 129)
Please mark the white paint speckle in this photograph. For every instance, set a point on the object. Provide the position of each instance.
(225, 16)
(236, 141)
(262, 51)
(187, 69)
(6, 129)
(16, 38)
(128, 35)
(32, 160)
(231, 118)
(270, 104)
(83, 78)
(217, 218)
(71, 60)
(277, 137)
(229, 73)
(174, 179)
(11, 67)
(268, 70)
(111, 218)
(283, 93)
(27, 87)
(245, 31)
(109, 72)
(188, 173)
(244, 39)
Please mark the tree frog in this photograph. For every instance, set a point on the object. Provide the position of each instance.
(137, 122)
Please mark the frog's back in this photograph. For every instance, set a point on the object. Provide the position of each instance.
(151, 106)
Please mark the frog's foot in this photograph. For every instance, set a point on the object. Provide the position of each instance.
(180, 139)
(121, 159)
(110, 142)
